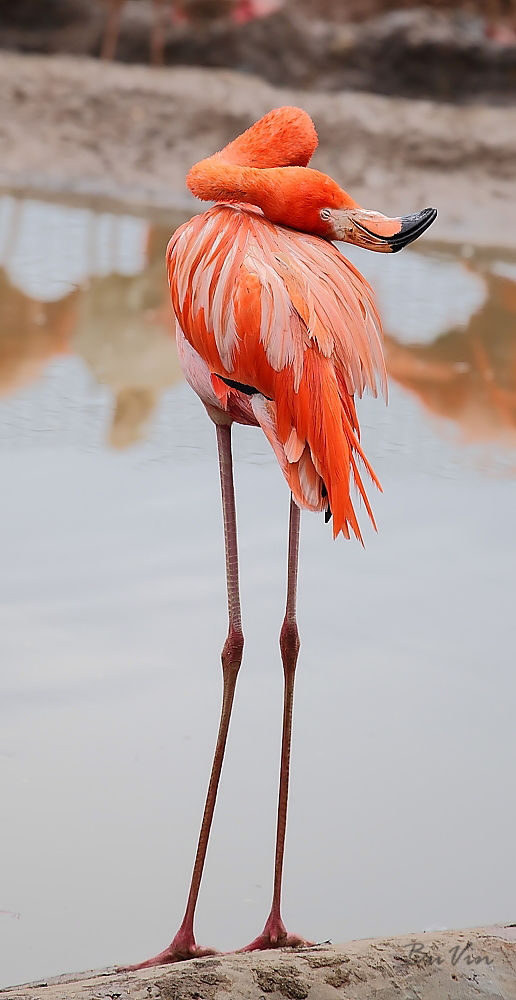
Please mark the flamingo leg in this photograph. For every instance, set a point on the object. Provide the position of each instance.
(157, 44)
(274, 934)
(112, 30)
(184, 945)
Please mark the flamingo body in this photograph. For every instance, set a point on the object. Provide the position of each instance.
(271, 306)
(285, 313)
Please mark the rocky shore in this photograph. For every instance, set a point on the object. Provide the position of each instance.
(458, 965)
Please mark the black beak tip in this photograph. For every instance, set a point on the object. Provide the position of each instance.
(412, 226)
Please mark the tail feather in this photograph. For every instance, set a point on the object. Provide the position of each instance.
(321, 419)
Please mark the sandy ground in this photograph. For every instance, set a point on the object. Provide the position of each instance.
(128, 134)
(449, 965)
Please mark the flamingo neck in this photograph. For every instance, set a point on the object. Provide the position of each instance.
(267, 167)
(288, 196)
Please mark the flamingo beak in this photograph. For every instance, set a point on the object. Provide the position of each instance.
(375, 231)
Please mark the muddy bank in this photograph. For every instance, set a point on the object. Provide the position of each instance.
(130, 133)
(419, 52)
(459, 965)
(461, 52)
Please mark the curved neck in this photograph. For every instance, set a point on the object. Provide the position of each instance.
(288, 196)
(216, 180)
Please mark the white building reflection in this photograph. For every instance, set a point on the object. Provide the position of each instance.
(82, 282)
(49, 249)
(420, 297)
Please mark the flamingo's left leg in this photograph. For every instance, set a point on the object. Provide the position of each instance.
(112, 31)
(275, 934)
(184, 945)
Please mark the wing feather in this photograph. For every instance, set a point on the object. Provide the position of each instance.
(286, 313)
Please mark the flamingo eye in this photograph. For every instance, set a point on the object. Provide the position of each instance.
(325, 214)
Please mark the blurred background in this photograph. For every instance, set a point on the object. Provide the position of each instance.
(112, 608)
(441, 49)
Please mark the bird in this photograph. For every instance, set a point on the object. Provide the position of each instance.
(275, 328)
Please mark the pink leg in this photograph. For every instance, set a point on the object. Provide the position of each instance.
(112, 30)
(184, 945)
(157, 44)
(274, 934)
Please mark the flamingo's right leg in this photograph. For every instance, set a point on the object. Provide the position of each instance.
(184, 945)
(157, 46)
(112, 30)
(275, 934)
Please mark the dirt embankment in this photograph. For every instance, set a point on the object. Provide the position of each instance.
(415, 52)
(457, 965)
(130, 134)
(462, 50)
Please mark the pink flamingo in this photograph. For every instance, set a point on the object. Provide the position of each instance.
(276, 328)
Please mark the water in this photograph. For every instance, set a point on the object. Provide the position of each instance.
(112, 616)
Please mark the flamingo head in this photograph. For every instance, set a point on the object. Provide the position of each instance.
(309, 200)
(373, 230)
(267, 166)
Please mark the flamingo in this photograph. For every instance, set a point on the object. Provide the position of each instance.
(275, 328)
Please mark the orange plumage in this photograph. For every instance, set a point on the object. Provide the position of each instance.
(267, 301)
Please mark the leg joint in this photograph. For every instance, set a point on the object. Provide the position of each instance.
(232, 651)
(289, 643)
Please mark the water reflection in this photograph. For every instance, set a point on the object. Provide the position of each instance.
(48, 249)
(125, 334)
(74, 281)
(94, 285)
(468, 374)
(31, 333)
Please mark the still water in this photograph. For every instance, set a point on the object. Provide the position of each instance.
(112, 616)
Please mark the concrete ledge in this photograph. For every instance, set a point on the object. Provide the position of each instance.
(443, 965)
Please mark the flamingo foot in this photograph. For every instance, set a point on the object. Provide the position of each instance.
(181, 949)
(275, 935)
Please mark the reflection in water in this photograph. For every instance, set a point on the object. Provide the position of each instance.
(468, 374)
(126, 336)
(95, 285)
(112, 610)
(48, 249)
(421, 295)
(31, 333)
